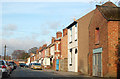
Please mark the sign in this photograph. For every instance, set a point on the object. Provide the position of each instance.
(98, 50)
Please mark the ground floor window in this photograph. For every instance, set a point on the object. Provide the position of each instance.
(70, 57)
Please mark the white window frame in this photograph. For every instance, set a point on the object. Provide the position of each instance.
(75, 31)
(71, 34)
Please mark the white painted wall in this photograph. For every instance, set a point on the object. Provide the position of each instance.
(46, 61)
(73, 46)
(28, 61)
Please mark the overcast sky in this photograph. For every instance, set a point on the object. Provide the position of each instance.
(31, 23)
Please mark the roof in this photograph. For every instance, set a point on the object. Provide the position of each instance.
(72, 24)
(110, 11)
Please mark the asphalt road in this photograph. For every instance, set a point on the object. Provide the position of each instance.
(26, 73)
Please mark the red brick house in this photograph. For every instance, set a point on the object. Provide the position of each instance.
(57, 53)
(52, 52)
(43, 53)
(104, 31)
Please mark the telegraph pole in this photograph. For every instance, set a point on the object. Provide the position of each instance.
(5, 52)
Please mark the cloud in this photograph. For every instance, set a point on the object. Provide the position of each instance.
(45, 32)
(54, 25)
(19, 44)
(8, 30)
(10, 27)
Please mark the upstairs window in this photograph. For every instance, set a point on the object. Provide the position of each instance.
(75, 32)
(71, 34)
(97, 36)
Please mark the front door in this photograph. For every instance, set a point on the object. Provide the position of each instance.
(97, 65)
(57, 64)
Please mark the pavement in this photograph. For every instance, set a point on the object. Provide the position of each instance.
(68, 74)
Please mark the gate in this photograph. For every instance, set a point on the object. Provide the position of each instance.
(57, 64)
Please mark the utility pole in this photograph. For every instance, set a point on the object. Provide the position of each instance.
(5, 52)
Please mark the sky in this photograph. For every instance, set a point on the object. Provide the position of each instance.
(32, 23)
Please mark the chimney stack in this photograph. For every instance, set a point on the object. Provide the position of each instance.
(45, 45)
(53, 39)
(64, 31)
(40, 48)
(58, 34)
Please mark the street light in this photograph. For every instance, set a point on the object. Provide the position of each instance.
(5, 52)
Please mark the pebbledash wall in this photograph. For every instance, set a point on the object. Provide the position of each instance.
(102, 58)
(83, 43)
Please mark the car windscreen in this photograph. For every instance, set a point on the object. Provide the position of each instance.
(11, 63)
(37, 64)
(22, 64)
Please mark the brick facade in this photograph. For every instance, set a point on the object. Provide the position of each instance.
(64, 51)
(108, 40)
(64, 45)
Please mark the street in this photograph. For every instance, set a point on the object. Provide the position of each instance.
(23, 73)
(44, 74)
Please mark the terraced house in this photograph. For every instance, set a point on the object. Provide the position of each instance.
(64, 51)
(88, 45)
(73, 47)
(104, 34)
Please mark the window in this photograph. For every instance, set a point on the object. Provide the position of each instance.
(70, 57)
(75, 32)
(97, 35)
(76, 51)
(56, 46)
(71, 34)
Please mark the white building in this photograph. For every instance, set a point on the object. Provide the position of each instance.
(52, 52)
(72, 47)
(28, 61)
(46, 61)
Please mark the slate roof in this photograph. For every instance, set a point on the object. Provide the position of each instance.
(72, 24)
(109, 11)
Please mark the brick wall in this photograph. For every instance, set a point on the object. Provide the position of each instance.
(64, 46)
(112, 43)
(98, 21)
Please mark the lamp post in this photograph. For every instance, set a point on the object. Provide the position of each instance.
(5, 52)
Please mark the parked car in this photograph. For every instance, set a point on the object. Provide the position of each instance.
(37, 66)
(26, 66)
(4, 68)
(0, 74)
(30, 65)
(10, 66)
(14, 64)
(22, 64)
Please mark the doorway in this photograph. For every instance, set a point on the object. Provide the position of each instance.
(97, 64)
